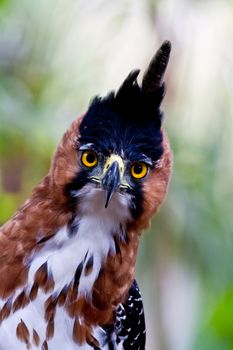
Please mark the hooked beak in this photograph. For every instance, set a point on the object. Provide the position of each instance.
(111, 181)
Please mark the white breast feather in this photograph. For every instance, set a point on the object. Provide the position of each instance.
(97, 226)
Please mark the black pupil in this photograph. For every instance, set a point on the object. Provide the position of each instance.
(137, 168)
(90, 158)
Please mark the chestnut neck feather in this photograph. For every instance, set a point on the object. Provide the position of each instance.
(49, 209)
(36, 225)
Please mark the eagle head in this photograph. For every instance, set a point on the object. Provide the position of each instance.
(119, 145)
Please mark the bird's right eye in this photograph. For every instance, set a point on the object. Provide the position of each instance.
(89, 159)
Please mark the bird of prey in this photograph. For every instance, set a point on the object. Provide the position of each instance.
(67, 256)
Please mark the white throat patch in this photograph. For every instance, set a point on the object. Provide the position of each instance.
(92, 239)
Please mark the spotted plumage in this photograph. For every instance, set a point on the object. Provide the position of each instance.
(128, 330)
(68, 255)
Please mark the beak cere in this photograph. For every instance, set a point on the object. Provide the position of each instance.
(111, 181)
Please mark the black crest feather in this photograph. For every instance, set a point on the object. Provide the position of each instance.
(152, 79)
(130, 119)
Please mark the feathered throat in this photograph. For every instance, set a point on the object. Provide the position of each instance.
(64, 271)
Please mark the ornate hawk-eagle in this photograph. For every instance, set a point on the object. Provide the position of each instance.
(67, 257)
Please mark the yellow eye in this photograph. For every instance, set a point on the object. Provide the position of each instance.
(139, 170)
(89, 159)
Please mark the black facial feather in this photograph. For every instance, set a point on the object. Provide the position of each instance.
(130, 120)
(128, 123)
(119, 123)
(136, 205)
(76, 184)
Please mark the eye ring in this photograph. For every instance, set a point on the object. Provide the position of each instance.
(89, 159)
(139, 170)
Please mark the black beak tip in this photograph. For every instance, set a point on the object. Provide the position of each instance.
(108, 197)
(111, 181)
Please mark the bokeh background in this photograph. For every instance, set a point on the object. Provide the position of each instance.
(54, 56)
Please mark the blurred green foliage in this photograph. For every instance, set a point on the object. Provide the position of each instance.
(54, 56)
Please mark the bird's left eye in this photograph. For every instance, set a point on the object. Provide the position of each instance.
(89, 159)
(139, 170)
